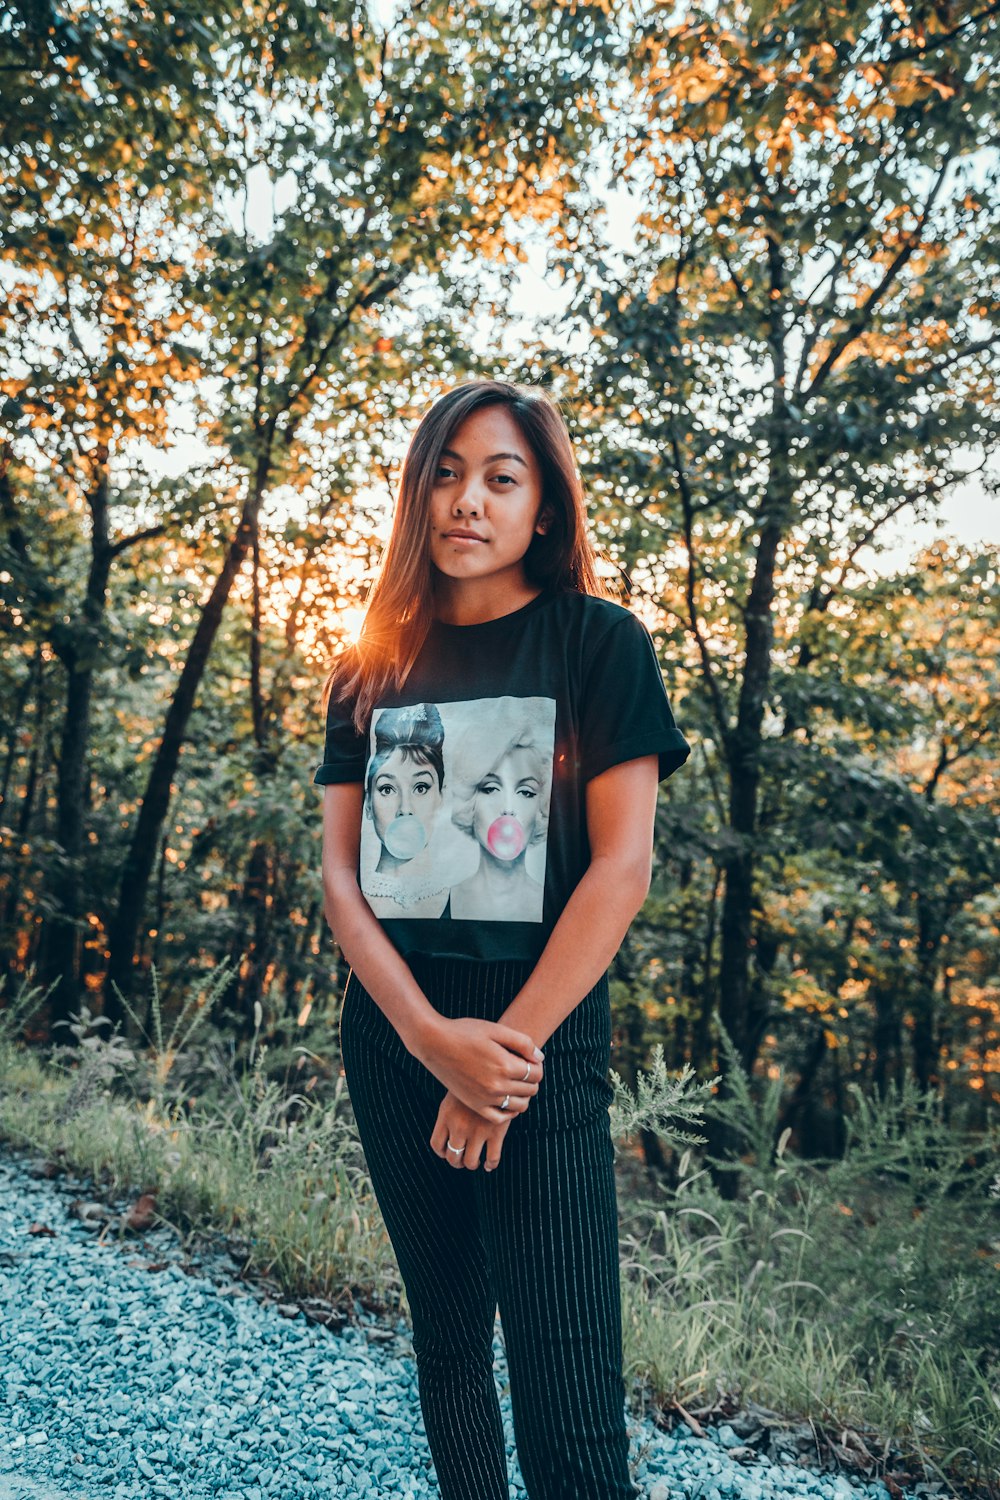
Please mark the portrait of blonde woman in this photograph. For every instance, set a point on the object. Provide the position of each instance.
(502, 784)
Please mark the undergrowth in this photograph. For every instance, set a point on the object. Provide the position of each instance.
(861, 1294)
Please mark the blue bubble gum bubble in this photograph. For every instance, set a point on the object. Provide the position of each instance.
(405, 836)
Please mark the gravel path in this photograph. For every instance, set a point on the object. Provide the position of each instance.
(126, 1376)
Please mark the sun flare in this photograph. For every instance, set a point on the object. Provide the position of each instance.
(351, 620)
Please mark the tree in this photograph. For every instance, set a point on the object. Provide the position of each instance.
(93, 197)
(434, 138)
(416, 149)
(802, 345)
(906, 800)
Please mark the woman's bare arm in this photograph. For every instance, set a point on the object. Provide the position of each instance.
(621, 804)
(479, 1060)
(357, 931)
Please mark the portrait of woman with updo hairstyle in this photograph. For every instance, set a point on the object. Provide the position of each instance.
(501, 787)
(404, 789)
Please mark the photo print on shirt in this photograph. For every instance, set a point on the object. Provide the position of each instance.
(456, 809)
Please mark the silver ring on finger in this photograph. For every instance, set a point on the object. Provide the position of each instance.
(527, 1074)
(457, 1149)
(504, 1102)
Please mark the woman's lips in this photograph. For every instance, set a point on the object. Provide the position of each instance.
(457, 536)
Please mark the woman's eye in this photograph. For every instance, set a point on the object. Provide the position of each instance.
(385, 789)
(526, 791)
(422, 787)
(509, 477)
(443, 471)
(488, 786)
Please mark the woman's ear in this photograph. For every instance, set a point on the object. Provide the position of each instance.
(545, 518)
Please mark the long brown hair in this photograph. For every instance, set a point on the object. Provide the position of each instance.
(399, 607)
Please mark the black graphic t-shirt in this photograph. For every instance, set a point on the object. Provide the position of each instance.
(474, 828)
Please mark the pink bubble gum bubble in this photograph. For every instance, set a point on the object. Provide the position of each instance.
(505, 837)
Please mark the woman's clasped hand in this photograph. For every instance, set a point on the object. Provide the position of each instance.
(457, 1126)
(480, 1063)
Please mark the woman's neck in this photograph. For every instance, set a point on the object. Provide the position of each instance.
(473, 601)
(498, 875)
(388, 864)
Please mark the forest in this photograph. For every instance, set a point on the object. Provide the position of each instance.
(200, 428)
(752, 249)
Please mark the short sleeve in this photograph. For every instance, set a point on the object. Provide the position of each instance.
(625, 711)
(345, 751)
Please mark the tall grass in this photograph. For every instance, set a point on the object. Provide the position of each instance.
(223, 1143)
(861, 1293)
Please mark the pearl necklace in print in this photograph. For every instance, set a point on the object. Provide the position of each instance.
(404, 893)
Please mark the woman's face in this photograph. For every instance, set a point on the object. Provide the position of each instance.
(489, 486)
(506, 806)
(405, 798)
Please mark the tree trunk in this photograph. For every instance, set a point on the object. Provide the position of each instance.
(924, 1041)
(742, 1007)
(265, 897)
(12, 729)
(886, 1042)
(142, 849)
(251, 943)
(795, 1106)
(60, 940)
(10, 898)
(702, 1056)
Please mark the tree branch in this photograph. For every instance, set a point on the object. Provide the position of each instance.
(365, 298)
(858, 323)
(978, 347)
(136, 536)
(929, 490)
(823, 314)
(976, 735)
(942, 38)
(684, 489)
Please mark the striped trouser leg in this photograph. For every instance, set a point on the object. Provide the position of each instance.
(551, 1224)
(431, 1216)
(540, 1234)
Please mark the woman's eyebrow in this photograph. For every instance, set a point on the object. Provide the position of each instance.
(450, 453)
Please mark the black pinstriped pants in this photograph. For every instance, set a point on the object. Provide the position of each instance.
(538, 1237)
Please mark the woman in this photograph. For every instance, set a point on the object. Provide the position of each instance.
(487, 589)
(502, 779)
(403, 794)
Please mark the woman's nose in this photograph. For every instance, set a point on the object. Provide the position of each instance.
(468, 502)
